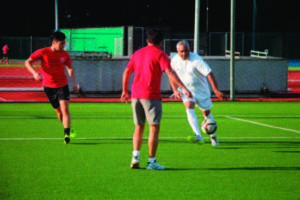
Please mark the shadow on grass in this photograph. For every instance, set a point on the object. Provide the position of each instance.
(259, 144)
(14, 117)
(286, 151)
(243, 144)
(98, 143)
(236, 168)
(226, 169)
(92, 141)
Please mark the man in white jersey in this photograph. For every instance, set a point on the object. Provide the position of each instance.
(194, 73)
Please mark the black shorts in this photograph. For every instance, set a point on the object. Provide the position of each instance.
(5, 55)
(56, 94)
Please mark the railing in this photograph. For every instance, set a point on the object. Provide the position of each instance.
(259, 54)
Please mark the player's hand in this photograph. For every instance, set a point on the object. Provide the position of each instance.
(125, 97)
(176, 95)
(37, 77)
(187, 93)
(78, 91)
(221, 95)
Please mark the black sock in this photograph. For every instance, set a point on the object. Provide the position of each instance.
(67, 131)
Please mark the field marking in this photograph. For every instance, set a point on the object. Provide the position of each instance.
(263, 124)
(130, 138)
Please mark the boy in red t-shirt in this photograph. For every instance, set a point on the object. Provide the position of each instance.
(148, 64)
(54, 60)
(5, 52)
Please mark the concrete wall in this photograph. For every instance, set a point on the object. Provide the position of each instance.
(105, 75)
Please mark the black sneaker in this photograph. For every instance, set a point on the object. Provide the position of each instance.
(67, 139)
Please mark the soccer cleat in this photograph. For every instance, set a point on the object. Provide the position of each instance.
(67, 139)
(214, 140)
(135, 162)
(154, 166)
(196, 139)
(73, 133)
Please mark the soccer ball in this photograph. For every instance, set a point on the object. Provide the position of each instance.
(209, 126)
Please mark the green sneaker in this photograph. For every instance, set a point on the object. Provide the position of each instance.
(73, 133)
(196, 139)
(67, 139)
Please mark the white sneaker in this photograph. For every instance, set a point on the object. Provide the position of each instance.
(154, 166)
(214, 140)
(135, 162)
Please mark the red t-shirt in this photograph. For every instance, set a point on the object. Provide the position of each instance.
(5, 49)
(148, 64)
(53, 66)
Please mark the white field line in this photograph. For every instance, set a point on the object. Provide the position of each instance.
(263, 124)
(130, 138)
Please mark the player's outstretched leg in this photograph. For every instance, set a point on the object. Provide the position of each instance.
(193, 121)
(213, 137)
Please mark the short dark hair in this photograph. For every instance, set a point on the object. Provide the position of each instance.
(155, 36)
(58, 35)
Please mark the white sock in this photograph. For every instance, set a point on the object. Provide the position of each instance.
(151, 160)
(193, 121)
(210, 116)
(136, 153)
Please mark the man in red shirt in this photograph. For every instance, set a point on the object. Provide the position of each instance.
(5, 54)
(54, 59)
(148, 65)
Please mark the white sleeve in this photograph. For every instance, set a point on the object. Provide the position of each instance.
(203, 67)
(174, 64)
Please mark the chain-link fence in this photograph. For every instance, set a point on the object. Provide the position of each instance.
(22, 47)
(285, 45)
(104, 75)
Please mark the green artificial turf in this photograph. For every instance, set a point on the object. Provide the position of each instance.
(259, 155)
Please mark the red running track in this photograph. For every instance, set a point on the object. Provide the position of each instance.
(19, 77)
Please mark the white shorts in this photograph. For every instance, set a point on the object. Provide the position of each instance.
(203, 104)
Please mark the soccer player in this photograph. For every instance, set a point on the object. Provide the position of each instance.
(194, 73)
(148, 65)
(54, 60)
(5, 54)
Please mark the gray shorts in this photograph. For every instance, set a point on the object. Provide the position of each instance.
(149, 109)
